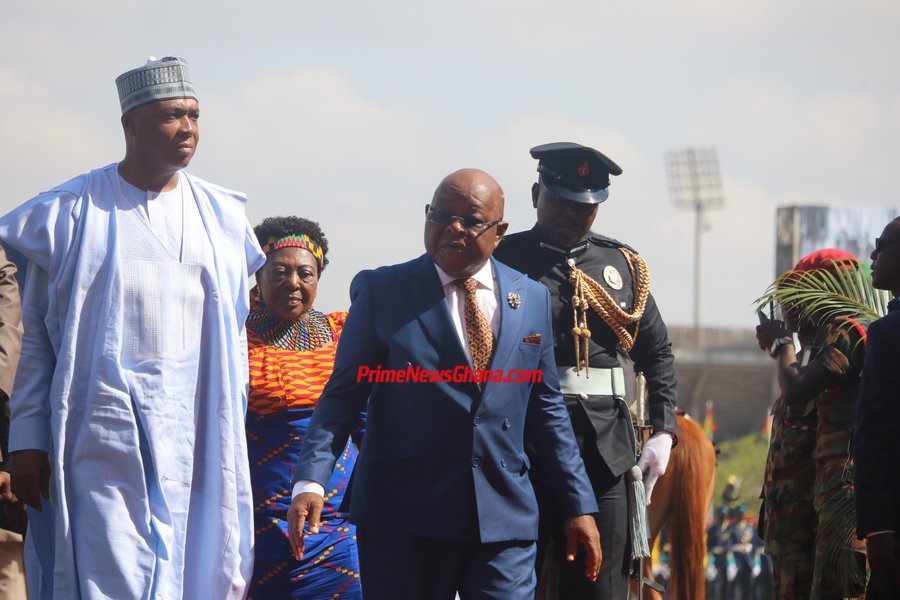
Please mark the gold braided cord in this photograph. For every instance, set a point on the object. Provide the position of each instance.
(588, 293)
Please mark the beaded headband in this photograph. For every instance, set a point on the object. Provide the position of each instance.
(296, 241)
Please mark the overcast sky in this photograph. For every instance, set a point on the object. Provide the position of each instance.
(350, 113)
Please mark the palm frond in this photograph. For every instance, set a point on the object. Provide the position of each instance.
(821, 295)
(836, 535)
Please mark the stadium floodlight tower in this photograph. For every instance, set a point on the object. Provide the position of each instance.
(695, 183)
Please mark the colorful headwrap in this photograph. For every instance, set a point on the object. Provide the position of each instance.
(296, 241)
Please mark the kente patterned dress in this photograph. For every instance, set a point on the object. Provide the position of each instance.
(290, 362)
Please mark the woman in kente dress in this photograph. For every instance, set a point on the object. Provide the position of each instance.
(291, 356)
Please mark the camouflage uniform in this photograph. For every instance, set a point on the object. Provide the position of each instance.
(790, 518)
(839, 556)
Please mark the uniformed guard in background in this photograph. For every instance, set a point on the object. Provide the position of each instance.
(718, 549)
(602, 306)
(742, 535)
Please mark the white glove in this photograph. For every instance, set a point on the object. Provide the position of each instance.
(654, 459)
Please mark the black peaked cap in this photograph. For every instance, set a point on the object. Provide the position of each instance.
(575, 172)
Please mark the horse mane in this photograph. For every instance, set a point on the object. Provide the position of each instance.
(680, 503)
(689, 508)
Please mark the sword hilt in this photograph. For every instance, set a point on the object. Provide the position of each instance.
(640, 400)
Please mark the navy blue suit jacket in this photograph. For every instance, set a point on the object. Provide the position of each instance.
(876, 441)
(443, 459)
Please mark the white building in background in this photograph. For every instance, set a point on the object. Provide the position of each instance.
(800, 230)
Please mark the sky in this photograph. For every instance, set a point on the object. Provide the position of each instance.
(350, 113)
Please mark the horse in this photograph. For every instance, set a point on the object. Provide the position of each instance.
(680, 503)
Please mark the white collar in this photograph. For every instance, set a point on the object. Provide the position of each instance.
(484, 276)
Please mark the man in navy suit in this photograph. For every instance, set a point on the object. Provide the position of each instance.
(441, 496)
(876, 441)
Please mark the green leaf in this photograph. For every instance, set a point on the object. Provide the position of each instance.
(825, 294)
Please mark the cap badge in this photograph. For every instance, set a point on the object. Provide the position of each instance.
(585, 169)
(514, 300)
(612, 277)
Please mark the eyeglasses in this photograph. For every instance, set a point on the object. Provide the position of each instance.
(881, 243)
(473, 226)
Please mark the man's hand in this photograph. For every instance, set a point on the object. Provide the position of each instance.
(655, 459)
(30, 474)
(6, 495)
(582, 531)
(768, 332)
(883, 553)
(305, 508)
(16, 517)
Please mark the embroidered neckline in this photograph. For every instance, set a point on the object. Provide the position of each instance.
(311, 332)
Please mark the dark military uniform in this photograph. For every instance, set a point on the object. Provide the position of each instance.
(718, 548)
(602, 423)
(741, 536)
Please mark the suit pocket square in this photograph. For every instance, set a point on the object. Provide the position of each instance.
(534, 338)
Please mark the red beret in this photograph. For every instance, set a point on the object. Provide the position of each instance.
(824, 259)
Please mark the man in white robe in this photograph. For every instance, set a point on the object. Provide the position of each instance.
(128, 407)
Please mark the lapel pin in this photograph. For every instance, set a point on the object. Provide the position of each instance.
(513, 300)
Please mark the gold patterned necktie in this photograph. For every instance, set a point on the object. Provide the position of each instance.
(478, 330)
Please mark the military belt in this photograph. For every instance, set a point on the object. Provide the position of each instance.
(592, 381)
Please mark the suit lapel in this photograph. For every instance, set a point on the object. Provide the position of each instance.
(424, 290)
(509, 282)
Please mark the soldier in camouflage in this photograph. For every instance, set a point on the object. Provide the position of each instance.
(789, 518)
(809, 509)
(840, 557)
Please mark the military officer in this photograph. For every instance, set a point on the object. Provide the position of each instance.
(601, 305)
(718, 547)
(741, 536)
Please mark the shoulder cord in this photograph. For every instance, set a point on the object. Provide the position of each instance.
(588, 293)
